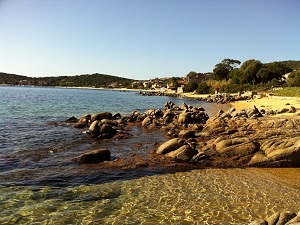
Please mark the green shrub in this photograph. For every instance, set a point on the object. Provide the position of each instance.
(294, 79)
(234, 88)
(190, 87)
(203, 88)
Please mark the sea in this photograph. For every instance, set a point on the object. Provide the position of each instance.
(40, 184)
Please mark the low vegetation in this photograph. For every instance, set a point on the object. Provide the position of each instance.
(287, 91)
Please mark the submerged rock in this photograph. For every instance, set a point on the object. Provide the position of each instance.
(94, 156)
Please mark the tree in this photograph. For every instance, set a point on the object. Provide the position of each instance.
(249, 70)
(222, 69)
(270, 71)
(189, 87)
(192, 73)
(203, 88)
(235, 76)
(264, 74)
(173, 82)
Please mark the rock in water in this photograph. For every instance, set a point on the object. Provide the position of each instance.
(94, 156)
(94, 128)
(101, 115)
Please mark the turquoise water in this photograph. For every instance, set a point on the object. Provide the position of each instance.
(39, 184)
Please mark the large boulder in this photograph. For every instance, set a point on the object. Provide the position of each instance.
(186, 133)
(147, 121)
(278, 152)
(214, 126)
(101, 115)
(253, 112)
(116, 116)
(109, 122)
(94, 128)
(292, 110)
(199, 116)
(99, 155)
(183, 154)
(107, 128)
(82, 122)
(184, 118)
(236, 147)
(170, 146)
(168, 116)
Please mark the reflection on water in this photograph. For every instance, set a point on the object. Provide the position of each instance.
(208, 196)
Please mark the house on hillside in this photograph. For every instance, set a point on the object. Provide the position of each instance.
(195, 77)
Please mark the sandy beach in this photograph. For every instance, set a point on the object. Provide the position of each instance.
(274, 102)
(266, 103)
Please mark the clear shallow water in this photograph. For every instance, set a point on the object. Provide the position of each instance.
(208, 196)
(40, 185)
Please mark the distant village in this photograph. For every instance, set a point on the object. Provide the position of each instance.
(171, 85)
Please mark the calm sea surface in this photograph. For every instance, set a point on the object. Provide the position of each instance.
(39, 184)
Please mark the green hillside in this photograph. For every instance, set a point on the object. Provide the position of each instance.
(11, 79)
(87, 80)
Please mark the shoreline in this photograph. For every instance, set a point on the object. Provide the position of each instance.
(271, 103)
(266, 103)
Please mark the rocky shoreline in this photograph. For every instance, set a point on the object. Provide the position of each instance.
(224, 98)
(236, 138)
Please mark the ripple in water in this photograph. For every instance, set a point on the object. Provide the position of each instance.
(208, 196)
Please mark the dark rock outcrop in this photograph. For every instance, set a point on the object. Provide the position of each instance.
(94, 156)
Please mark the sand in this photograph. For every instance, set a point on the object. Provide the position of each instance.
(266, 103)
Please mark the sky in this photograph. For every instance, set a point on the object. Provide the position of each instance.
(143, 39)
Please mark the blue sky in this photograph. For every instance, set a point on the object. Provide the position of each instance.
(143, 39)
